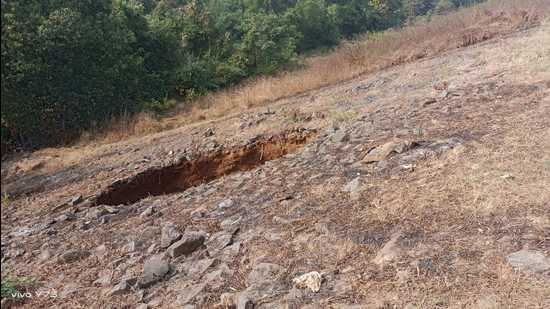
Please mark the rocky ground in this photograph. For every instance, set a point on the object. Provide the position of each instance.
(426, 185)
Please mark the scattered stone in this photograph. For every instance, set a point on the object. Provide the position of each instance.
(69, 289)
(123, 287)
(104, 278)
(403, 276)
(152, 248)
(219, 241)
(340, 136)
(280, 221)
(75, 200)
(107, 218)
(100, 211)
(259, 292)
(209, 132)
(154, 270)
(225, 204)
(389, 252)
(73, 255)
(85, 225)
(169, 235)
(66, 217)
(529, 261)
(311, 280)
(197, 267)
(198, 213)
(21, 232)
(354, 188)
(244, 302)
(342, 287)
(230, 252)
(190, 242)
(217, 278)
(149, 211)
(134, 245)
(264, 272)
(189, 293)
(386, 150)
(100, 250)
(140, 294)
(228, 300)
(142, 306)
(231, 224)
(44, 255)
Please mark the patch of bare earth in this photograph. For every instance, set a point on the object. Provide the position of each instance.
(426, 185)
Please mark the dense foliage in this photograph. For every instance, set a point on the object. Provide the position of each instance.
(68, 65)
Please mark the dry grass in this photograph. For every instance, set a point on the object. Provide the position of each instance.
(368, 54)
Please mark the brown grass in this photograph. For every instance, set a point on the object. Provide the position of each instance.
(371, 53)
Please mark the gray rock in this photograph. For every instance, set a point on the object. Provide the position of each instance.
(44, 255)
(100, 250)
(219, 240)
(225, 204)
(66, 217)
(389, 252)
(190, 242)
(134, 245)
(122, 287)
(169, 234)
(21, 232)
(75, 200)
(142, 306)
(100, 211)
(529, 261)
(198, 213)
(388, 149)
(107, 218)
(228, 300)
(259, 292)
(230, 252)
(189, 293)
(69, 289)
(231, 224)
(340, 136)
(280, 221)
(354, 188)
(152, 248)
(244, 301)
(104, 278)
(154, 270)
(217, 278)
(264, 272)
(73, 255)
(149, 211)
(197, 267)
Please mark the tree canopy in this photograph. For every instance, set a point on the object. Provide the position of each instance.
(68, 65)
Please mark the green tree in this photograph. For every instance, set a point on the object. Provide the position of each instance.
(267, 44)
(312, 20)
(63, 68)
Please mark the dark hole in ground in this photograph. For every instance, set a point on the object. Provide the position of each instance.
(205, 168)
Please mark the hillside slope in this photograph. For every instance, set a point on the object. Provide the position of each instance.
(426, 185)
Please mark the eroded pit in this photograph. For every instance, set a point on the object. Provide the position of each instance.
(204, 168)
